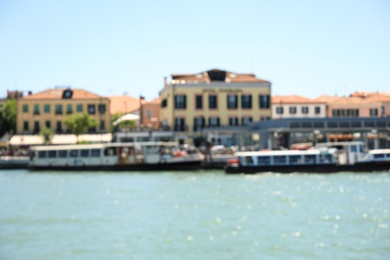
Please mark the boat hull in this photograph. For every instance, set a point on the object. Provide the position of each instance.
(173, 166)
(315, 168)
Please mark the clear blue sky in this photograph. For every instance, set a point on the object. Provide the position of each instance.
(306, 48)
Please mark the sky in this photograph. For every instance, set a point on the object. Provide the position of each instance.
(307, 48)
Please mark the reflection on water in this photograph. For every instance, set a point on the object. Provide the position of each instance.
(198, 215)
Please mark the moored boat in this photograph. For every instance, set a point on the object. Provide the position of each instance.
(147, 156)
(328, 158)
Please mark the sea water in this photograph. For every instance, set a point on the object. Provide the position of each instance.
(193, 215)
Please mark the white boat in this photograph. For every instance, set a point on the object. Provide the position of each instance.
(330, 157)
(146, 156)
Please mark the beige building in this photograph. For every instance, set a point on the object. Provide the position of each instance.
(50, 107)
(297, 107)
(214, 99)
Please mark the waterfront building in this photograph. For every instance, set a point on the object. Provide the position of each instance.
(294, 106)
(50, 107)
(301, 133)
(213, 105)
(150, 114)
(358, 104)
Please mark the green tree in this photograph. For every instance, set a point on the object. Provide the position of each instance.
(46, 134)
(8, 117)
(79, 123)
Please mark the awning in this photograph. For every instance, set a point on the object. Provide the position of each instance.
(20, 140)
(127, 117)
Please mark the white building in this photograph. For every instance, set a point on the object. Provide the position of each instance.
(297, 107)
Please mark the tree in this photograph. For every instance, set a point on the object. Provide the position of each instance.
(8, 117)
(46, 134)
(79, 123)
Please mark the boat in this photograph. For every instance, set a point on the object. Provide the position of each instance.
(145, 156)
(325, 158)
(13, 162)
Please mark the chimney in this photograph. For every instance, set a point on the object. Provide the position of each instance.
(29, 92)
(165, 82)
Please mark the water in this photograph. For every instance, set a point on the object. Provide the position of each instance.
(196, 215)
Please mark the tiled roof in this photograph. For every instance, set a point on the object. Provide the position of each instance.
(216, 75)
(294, 99)
(56, 93)
(123, 104)
(156, 101)
(356, 98)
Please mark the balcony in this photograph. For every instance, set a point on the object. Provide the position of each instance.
(36, 113)
(69, 112)
(181, 128)
(58, 112)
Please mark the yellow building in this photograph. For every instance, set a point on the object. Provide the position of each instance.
(219, 100)
(50, 107)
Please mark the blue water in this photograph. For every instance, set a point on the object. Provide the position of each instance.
(195, 215)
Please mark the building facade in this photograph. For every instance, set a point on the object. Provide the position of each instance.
(297, 107)
(358, 104)
(215, 99)
(50, 107)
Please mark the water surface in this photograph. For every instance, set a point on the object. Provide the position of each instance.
(193, 215)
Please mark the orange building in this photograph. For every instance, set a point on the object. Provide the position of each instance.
(358, 104)
(50, 107)
(150, 113)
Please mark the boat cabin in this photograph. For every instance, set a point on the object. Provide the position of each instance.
(289, 157)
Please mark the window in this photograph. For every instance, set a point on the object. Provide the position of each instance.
(52, 154)
(199, 102)
(91, 109)
(317, 110)
(310, 159)
(102, 108)
(264, 101)
(233, 121)
(213, 121)
(164, 103)
(246, 101)
(73, 153)
(59, 126)
(213, 102)
(95, 153)
(198, 123)
(305, 110)
(62, 154)
(102, 125)
(25, 108)
(180, 102)
(42, 154)
(36, 109)
(232, 101)
(294, 159)
(245, 120)
(36, 126)
(47, 124)
(373, 112)
(179, 124)
(279, 110)
(46, 108)
(79, 108)
(148, 113)
(69, 109)
(280, 159)
(263, 160)
(293, 110)
(25, 126)
(84, 153)
(58, 109)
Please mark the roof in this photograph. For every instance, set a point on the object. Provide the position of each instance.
(56, 93)
(294, 99)
(123, 104)
(216, 75)
(356, 98)
(59, 139)
(156, 101)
